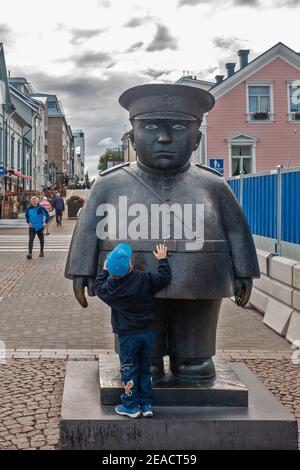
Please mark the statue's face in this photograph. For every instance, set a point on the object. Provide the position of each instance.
(165, 144)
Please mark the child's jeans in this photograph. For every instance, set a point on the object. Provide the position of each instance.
(135, 361)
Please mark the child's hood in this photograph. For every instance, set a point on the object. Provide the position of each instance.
(127, 286)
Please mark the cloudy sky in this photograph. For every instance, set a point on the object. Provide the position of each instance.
(89, 52)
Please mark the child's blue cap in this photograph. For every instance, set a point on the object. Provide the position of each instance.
(118, 260)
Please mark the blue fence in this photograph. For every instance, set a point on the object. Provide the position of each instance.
(271, 203)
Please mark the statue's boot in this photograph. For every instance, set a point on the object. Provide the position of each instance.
(157, 368)
(193, 370)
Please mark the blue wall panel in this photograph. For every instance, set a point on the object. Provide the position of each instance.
(290, 203)
(235, 186)
(260, 204)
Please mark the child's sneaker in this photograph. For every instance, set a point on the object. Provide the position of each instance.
(146, 411)
(131, 412)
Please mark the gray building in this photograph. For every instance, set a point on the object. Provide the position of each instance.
(34, 114)
(79, 154)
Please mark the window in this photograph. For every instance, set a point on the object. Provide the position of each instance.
(294, 100)
(259, 101)
(6, 147)
(1, 137)
(52, 105)
(19, 155)
(12, 151)
(241, 159)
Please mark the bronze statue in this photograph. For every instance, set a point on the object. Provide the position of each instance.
(207, 266)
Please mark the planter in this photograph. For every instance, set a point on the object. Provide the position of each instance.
(74, 204)
(72, 211)
(260, 116)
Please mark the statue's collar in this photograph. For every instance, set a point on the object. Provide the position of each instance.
(156, 171)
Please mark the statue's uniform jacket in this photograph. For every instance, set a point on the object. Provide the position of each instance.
(228, 251)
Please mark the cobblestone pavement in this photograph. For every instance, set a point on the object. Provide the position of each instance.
(31, 396)
(30, 401)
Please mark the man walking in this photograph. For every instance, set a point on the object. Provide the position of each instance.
(59, 206)
(37, 218)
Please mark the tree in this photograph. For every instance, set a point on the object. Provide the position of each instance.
(109, 155)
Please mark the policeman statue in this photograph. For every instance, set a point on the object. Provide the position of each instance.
(164, 197)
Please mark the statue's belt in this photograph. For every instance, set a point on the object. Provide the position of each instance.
(179, 246)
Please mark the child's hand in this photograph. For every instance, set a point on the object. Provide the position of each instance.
(104, 264)
(161, 251)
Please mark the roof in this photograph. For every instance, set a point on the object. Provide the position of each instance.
(204, 84)
(278, 50)
(32, 103)
(3, 77)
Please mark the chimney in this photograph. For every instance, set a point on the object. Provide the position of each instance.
(230, 69)
(243, 54)
(219, 79)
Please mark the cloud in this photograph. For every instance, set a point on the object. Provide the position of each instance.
(192, 3)
(244, 3)
(104, 3)
(155, 73)
(6, 34)
(106, 142)
(288, 3)
(162, 40)
(138, 21)
(90, 59)
(229, 42)
(91, 104)
(136, 46)
(81, 35)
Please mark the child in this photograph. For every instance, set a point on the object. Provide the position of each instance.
(129, 293)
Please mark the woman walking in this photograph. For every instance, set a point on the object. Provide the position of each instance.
(47, 206)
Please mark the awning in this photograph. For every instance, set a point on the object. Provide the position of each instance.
(19, 174)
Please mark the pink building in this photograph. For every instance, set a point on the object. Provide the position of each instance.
(255, 124)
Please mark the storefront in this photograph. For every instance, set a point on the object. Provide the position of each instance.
(13, 197)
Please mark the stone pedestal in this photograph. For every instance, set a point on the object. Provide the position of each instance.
(87, 424)
(226, 390)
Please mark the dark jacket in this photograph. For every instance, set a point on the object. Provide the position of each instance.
(37, 216)
(131, 297)
(58, 204)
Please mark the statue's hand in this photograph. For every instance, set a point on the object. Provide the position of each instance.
(242, 290)
(79, 284)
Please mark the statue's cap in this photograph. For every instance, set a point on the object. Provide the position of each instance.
(166, 101)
